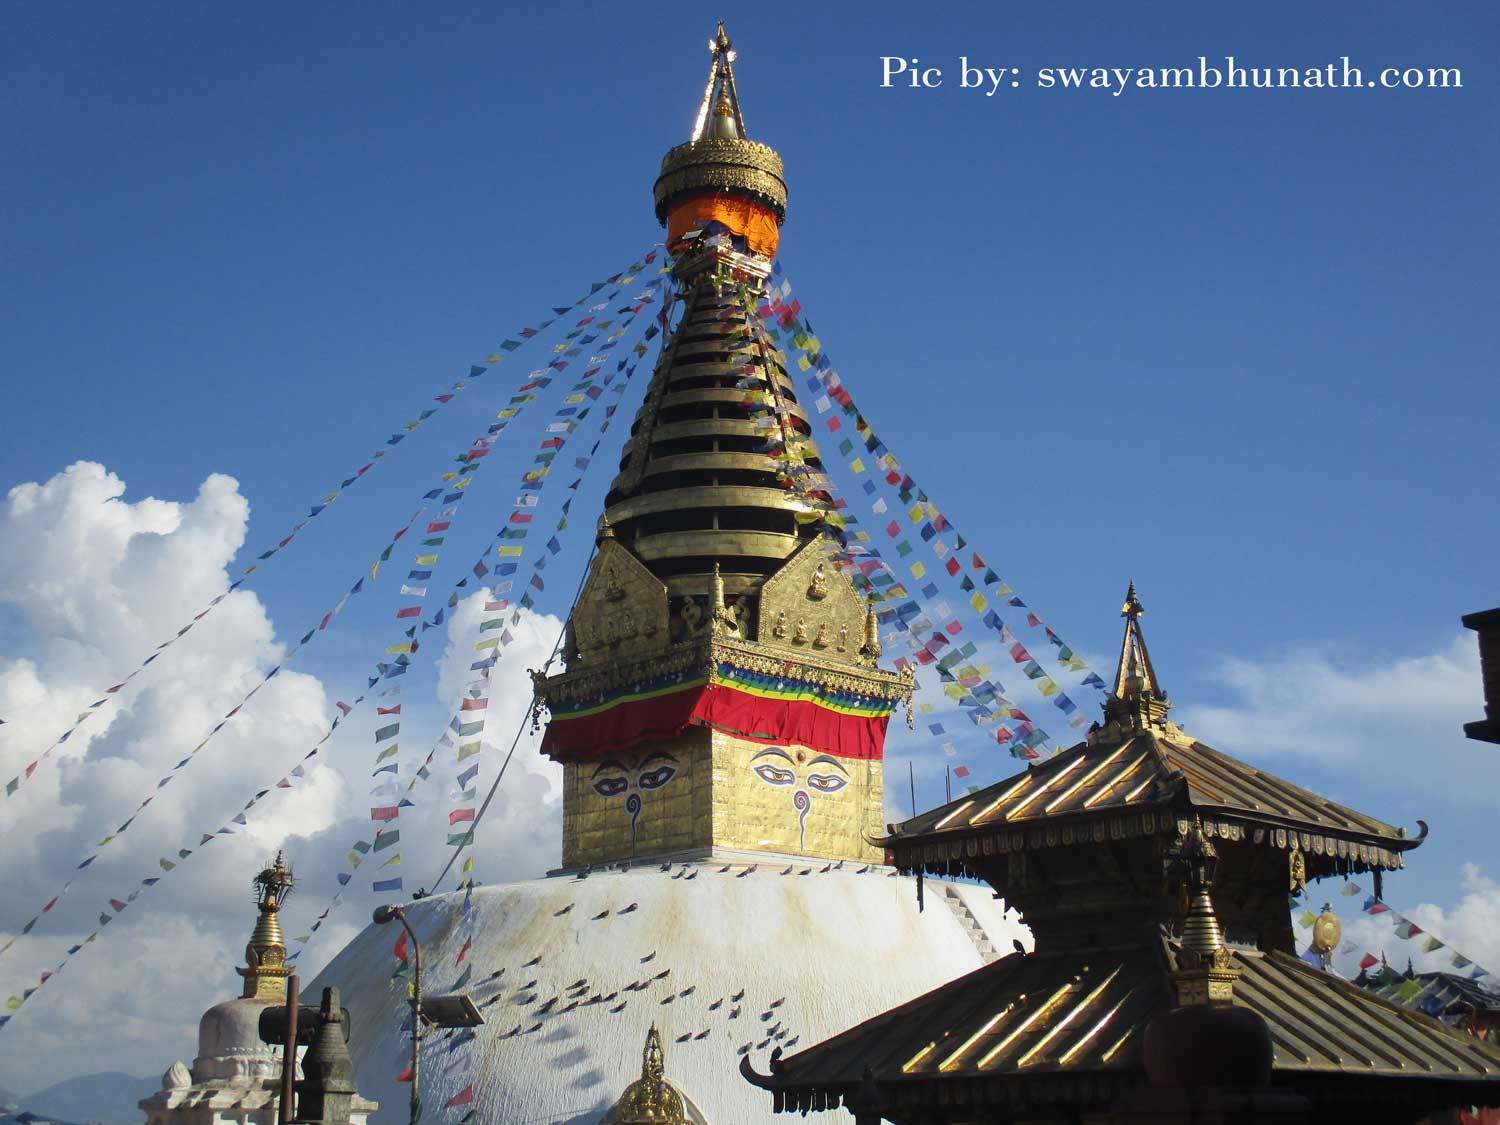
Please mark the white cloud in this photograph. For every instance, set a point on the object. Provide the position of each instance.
(1379, 718)
(98, 582)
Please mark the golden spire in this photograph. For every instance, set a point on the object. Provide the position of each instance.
(717, 158)
(720, 74)
(265, 969)
(650, 1099)
(1136, 696)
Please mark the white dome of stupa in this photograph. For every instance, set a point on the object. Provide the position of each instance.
(570, 975)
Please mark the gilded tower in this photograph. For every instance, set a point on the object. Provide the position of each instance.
(722, 693)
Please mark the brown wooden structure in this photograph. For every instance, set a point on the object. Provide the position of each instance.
(1133, 1006)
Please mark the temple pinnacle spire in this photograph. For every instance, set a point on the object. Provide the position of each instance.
(1137, 695)
(720, 76)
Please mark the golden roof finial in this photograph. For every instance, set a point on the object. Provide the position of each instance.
(1136, 694)
(265, 969)
(720, 75)
(650, 1099)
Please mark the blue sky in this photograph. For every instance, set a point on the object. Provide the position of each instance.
(1237, 345)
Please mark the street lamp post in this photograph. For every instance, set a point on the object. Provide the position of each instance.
(384, 914)
(455, 1010)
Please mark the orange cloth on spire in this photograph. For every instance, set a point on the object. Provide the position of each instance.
(755, 222)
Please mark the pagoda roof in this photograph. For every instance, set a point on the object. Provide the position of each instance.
(1070, 1027)
(1139, 781)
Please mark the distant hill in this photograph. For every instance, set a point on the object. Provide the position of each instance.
(108, 1098)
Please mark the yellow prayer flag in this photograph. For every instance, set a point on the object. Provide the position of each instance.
(917, 570)
(857, 465)
(1046, 686)
(979, 601)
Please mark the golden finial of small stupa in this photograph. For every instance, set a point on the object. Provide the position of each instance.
(650, 1099)
(1205, 974)
(265, 969)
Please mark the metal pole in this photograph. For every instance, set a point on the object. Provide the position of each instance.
(288, 1052)
(416, 1022)
(911, 775)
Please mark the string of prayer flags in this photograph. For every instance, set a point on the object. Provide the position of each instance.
(387, 838)
(172, 774)
(786, 311)
(506, 346)
(861, 561)
(1404, 929)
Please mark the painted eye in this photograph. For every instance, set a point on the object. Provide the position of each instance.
(773, 776)
(611, 786)
(655, 779)
(826, 782)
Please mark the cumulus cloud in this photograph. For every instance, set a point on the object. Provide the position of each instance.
(98, 581)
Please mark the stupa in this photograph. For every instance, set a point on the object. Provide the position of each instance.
(236, 1078)
(721, 725)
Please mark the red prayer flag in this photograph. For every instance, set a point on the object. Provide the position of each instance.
(474, 704)
(409, 611)
(1368, 961)
(460, 814)
(404, 1076)
(960, 771)
(396, 710)
(399, 952)
(464, 952)
(952, 565)
(117, 905)
(463, 1097)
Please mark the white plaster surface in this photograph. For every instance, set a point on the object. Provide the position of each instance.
(813, 953)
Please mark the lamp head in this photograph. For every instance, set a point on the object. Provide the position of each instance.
(384, 914)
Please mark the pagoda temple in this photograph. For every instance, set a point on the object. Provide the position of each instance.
(1146, 998)
(720, 721)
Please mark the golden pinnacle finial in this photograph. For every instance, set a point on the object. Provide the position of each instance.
(650, 1098)
(265, 969)
(720, 77)
(1136, 698)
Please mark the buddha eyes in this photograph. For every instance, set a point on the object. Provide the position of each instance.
(826, 782)
(655, 779)
(613, 785)
(610, 786)
(771, 775)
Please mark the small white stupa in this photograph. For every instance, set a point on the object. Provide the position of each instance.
(236, 1078)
